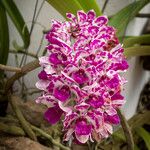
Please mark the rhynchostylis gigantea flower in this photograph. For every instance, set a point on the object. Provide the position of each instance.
(81, 77)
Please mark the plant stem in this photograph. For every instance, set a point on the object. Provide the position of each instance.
(10, 68)
(40, 45)
(24, 70)
(24, 52)
(104, 6)
(26, 126)
(33, 18)
(127, 130)
(143, 15)
(44, 134)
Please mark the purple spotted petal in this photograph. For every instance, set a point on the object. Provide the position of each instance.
(54, 59)
(71, 17)
(101, 20)
(82, 107)
(80, 76)
(113, 119)
(93, 30)
(95, 101)
(62, 93)
(82, 16)
(117, 96)
(113, 83)
(60, 43)
(91, 15)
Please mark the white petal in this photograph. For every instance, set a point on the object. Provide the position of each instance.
(48, 69)
(108, 127)
(68, 134)
(65, 109)
(82, 138)
(111, 111)
(43, 60)
(42, 84)
(118, 102)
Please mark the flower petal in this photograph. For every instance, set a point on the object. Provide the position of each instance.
(53, 114)
(68, 134)
(82, 138)
(99, 21)
(91, 15)
(82, 16)
(42, 84)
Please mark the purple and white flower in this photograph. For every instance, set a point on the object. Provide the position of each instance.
(81, 77)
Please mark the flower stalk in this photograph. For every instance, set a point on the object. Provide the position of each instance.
(127, 131)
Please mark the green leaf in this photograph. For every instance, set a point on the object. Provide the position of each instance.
(65, 6)
(18, 20)
(4, 36)
(90, 4)
(131, 41)
(144, 135)
(137, 51)
(121, 19)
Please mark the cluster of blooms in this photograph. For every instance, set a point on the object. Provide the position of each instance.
(81, 79)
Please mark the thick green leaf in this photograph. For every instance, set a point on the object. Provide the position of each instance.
(144, 135)
(121, 19)
(142, 39)
(4, 36)
(90, 4)
(64, 6)
(137, 51)
(18, 20)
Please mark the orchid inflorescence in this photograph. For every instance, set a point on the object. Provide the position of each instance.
(81, 77)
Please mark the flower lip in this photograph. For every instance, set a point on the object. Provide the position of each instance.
(82, 127)
(57, 58)
(42, 75)
(80, 76)
(53, 58)
(112, 119)
(62, 93)
(95, 101)
(117, 96)
(75, 31)
(53, 114)
(113, 83)
(90, 57)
